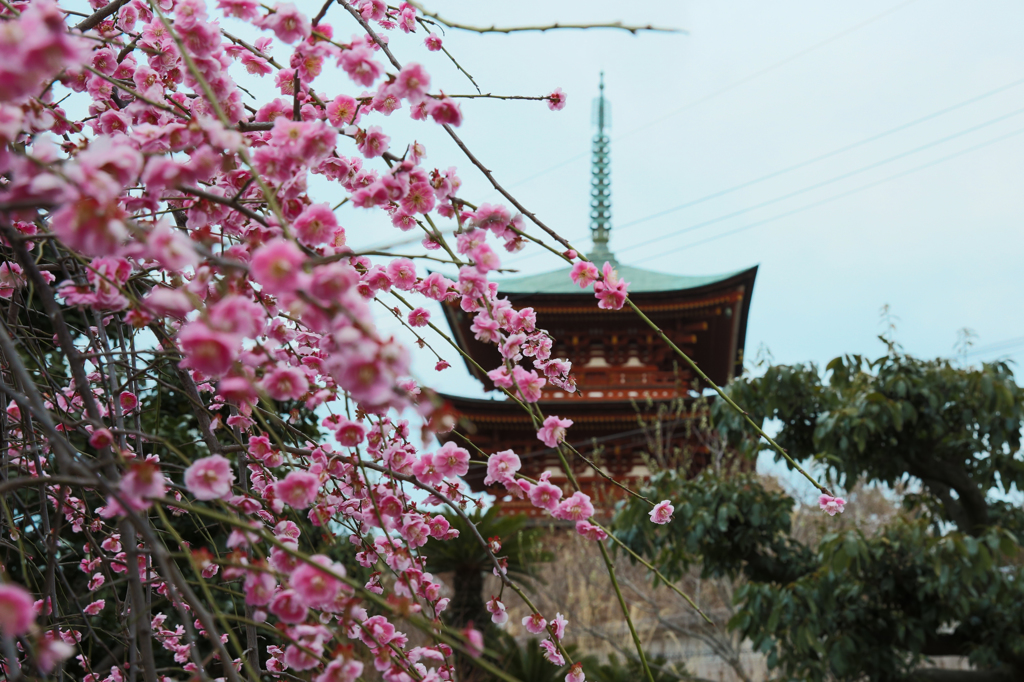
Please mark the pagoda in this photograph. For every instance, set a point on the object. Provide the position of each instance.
(619, 363)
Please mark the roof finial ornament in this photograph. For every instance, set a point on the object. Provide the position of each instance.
(600, 181)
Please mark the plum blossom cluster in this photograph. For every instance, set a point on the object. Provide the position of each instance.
(169, 233)
(610, 289)
(199, 400)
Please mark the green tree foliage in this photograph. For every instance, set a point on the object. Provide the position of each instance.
(945, 578)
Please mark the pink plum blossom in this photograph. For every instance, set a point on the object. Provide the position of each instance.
(556, 100)
(451, 460)
(341, 670)
(360, 66)
(551, 653)
(557, 626)
(171, 248)
(576, 507)
(662, 512)
(285, 383)
(402, 273)
(316, 225)
(277, 265)
(128, 401)
(425, 471)
(610, 291)
(50, 650)
(288, 607)
(502, 467)
(435, 286)
(376, 632)
(37, 46)
(545, 496)
(314, 585)
(237, 315)
(243, 9)
(143, 480)
(259, 587)
(433, 42)
(412, 83)
(576, 673)
(101, 438)
(210, 478)
(349, 433)
(534, 623)
(584, 273)
(445, 111)
(831, 505)
(372, 142)
(499, 616)
(11, 278)
(419, 317)
(342, 110)
(166, 302)
(474, 641)
(305, 657)
(287, 22)
(528, 383)
(553, 431)
(590, 531)
(298, 489)
(208, 351)
(16, 610)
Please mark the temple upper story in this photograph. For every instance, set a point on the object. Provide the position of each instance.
(618, 361)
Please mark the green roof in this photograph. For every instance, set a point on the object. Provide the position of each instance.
(640, 281)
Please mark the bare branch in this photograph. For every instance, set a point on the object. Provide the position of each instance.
(542, 28)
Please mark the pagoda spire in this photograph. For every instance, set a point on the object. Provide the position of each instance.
(600, 181)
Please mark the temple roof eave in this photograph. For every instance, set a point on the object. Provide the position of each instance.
(641, 281)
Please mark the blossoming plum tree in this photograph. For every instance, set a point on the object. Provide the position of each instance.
(183, 319)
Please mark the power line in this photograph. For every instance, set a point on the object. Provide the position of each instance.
(826, 155)
(824, 183)
(843, 194)
(727, 88)
(997, 347)
(808, 162)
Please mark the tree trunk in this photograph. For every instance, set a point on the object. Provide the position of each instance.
(467, 606)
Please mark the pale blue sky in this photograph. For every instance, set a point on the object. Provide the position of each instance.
(752, 89)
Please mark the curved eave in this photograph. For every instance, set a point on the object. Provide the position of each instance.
(641, 281)
(583, 302)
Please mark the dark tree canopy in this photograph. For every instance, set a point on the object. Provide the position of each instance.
(944, 578)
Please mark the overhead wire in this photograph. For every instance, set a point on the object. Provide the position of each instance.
(811, 161)
(843, 194)
(823, 183)
(998, 347)
(826, 155)
(830, 181)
